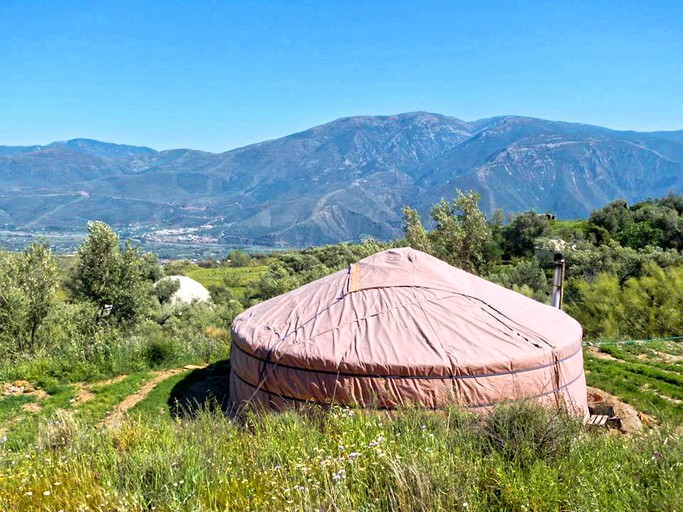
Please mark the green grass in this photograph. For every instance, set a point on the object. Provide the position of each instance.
(516, 459)
(564, 228)
(23, 426)
(108, 395)
(155, 405)
(642, 387)
(654, 360)
(654, 387)
(11, 406)
(22, 431)
(239, 278)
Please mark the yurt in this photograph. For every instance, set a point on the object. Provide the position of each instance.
(403, 327)
(189, 291)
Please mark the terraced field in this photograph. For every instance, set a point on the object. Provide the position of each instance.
(645, 374)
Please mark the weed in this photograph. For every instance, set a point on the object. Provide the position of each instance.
(59, 432)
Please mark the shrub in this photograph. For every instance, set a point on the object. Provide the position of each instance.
(159, 353)
(58, 432)
(525, 432)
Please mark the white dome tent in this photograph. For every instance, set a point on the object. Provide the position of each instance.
(189, 291)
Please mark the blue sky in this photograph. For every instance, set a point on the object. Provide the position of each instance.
(216, 75)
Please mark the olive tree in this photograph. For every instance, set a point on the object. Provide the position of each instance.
(28, 285)
(460, 233)
(110, 277)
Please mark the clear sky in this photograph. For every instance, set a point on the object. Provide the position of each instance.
(215, 75)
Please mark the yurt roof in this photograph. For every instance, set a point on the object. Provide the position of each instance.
(403, 312)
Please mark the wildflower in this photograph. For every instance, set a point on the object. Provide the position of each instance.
(46, 493)
(29, 493)
(339, 475)
(376, 442)
(353, 455)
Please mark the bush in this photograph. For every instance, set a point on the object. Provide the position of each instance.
(159, 353)
(59, 432)
(523, 433)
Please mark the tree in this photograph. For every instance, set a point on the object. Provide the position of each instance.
(460, 234)
(238, 258)
(614, 217)
(112, 279)
(13, 308)
(524, 275)
(656, 223)
(38, 277)
(416, 236)
(493, 247)
(521, 234)
(165, 290)
(643, 307)
(28, 284)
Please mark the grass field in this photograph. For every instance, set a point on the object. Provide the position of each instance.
(646, 375)
(236, 278)
(58, 455)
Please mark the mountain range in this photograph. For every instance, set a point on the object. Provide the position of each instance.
(344, 180)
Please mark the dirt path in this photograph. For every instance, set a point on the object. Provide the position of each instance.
(596, 352)
(115, 417)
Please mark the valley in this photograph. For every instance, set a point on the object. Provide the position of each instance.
(342, 181)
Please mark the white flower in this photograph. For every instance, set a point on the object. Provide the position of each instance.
(46, 493)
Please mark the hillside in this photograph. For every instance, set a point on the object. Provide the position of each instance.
(340, 181)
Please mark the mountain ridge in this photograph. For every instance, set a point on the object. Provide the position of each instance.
(338, 181)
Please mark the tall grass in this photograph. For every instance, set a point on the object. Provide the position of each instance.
(518, 458)
(148, 347)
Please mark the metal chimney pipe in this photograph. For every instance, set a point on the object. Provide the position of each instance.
(558, 281)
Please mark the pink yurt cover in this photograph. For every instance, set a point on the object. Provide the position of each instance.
(403, 327)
